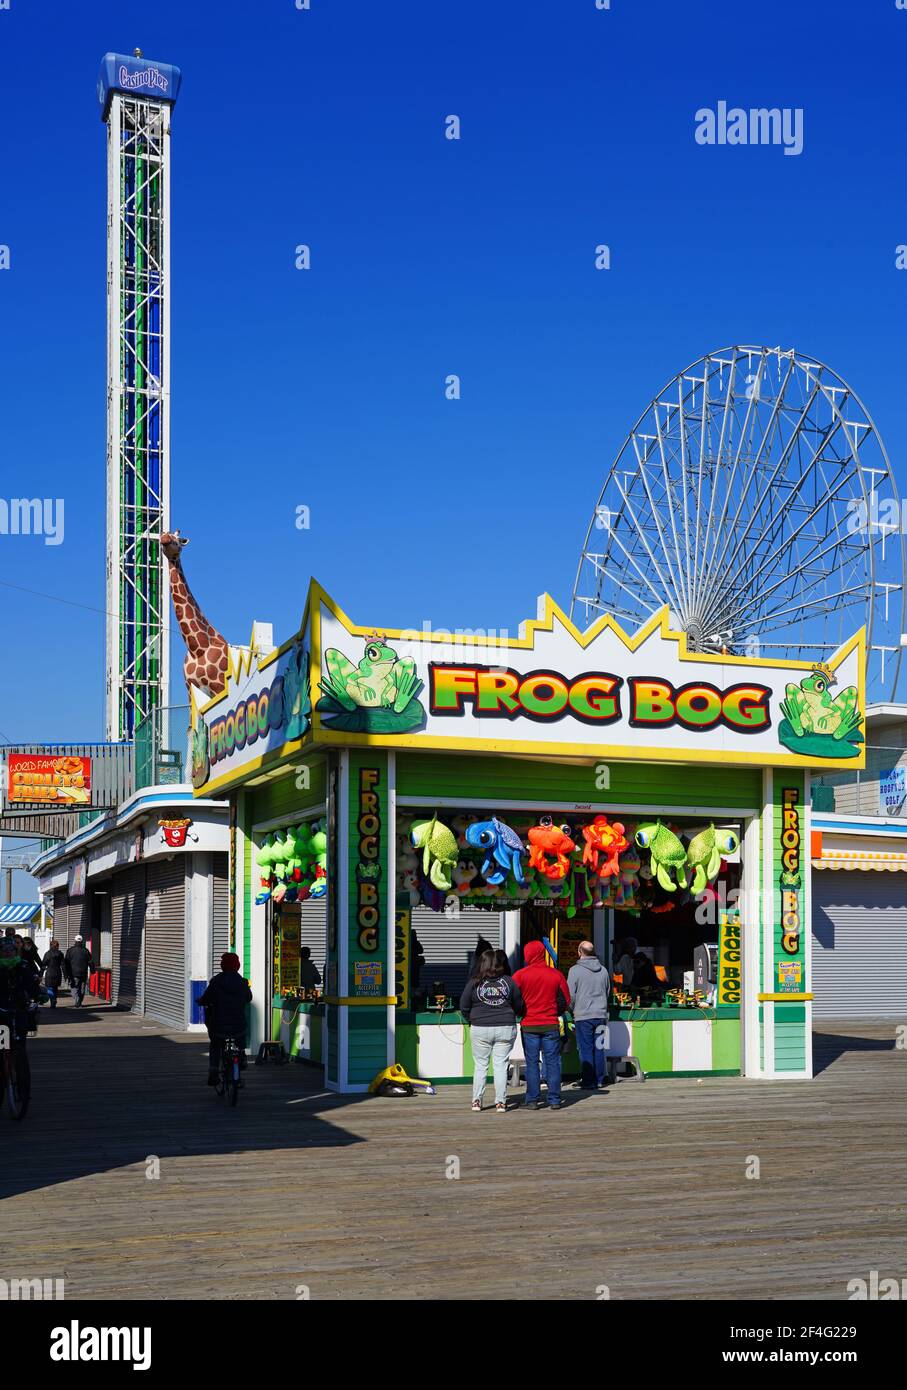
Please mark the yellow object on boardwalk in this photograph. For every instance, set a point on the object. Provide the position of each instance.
(394, 1081)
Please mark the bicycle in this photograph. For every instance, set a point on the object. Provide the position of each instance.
(228, 1081)
(15, 1072)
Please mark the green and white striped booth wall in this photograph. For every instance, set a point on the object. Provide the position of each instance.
(665, 1045)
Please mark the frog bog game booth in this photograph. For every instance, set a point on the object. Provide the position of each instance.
(562, 783)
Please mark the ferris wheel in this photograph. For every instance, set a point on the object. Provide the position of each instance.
(754, 496)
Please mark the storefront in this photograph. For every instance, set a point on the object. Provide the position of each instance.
(553, 785)
(859, 916)
(146, 886)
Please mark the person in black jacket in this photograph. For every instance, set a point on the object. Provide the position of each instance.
(52, 965)
(31, 956)
(18, 986)
(224, 1002)
(78, 965)
(491, 1003)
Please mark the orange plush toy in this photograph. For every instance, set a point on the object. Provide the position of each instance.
(605, 842)
(550, 847)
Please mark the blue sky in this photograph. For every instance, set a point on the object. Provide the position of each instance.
(326, 388)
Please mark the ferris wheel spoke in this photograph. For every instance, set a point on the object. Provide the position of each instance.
(726, 415)
(775, 522)
(678, 596)
(806, 563)
(792, 536)
(704, 418)
(634, 593)
(823, 600)
(781, 463)
(707, 569)
(658, 594)
(684, 456)
(630, 621)
(654, 513)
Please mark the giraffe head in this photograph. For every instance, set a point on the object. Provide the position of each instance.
(172, 543)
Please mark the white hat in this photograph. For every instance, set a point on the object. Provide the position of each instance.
(75, 939)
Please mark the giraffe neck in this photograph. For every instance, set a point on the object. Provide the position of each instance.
(198, 634)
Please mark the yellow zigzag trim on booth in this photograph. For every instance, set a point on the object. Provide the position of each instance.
(240, 667)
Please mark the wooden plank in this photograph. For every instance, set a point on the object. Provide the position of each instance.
(643, 1189)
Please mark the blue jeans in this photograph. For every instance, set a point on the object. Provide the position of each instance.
(591, 1057)
(78, 987)
(536, 1045)
(52, 995)
(496, 1043)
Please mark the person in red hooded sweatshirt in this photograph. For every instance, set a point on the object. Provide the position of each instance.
(546, 995)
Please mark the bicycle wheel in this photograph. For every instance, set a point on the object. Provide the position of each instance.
(18, 1086)
(233, 1079)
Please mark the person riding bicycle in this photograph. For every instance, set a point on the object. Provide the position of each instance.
(18, 987)
(224, 1002)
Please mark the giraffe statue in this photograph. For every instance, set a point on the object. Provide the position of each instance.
(207, 652)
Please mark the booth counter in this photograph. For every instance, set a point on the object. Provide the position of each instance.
(665, 1042)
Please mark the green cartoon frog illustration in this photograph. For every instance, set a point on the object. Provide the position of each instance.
(813, 716)
(377, 695)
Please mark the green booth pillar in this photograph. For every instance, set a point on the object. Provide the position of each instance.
(785, 996)
(359, 984)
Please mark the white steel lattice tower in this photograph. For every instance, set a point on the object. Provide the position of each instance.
(136, 99)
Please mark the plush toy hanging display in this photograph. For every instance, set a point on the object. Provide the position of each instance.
(481, 861)
(293, 864)
(627, 895)
(265, 861)
(704, 854)
(501, 846)
(605, 842)
(439, 850)
(550, 848)
(666, 852)
(319, 884)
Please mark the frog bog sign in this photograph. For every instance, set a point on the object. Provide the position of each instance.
(603, 692)
(549, 687)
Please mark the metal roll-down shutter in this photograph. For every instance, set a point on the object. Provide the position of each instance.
(127, 918)
(220, 911)
(61, 918)
(165, 942)
(859, 944)
(449, 943)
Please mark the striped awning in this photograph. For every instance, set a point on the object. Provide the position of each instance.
(889, 860)
(13, 913)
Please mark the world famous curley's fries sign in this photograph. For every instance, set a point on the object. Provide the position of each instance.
(37, 780)
(549, 688)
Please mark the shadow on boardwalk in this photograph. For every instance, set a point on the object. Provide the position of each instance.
(833, 1039)
(111, 1090)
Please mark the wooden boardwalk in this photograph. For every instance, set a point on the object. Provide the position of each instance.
(643, 1190)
